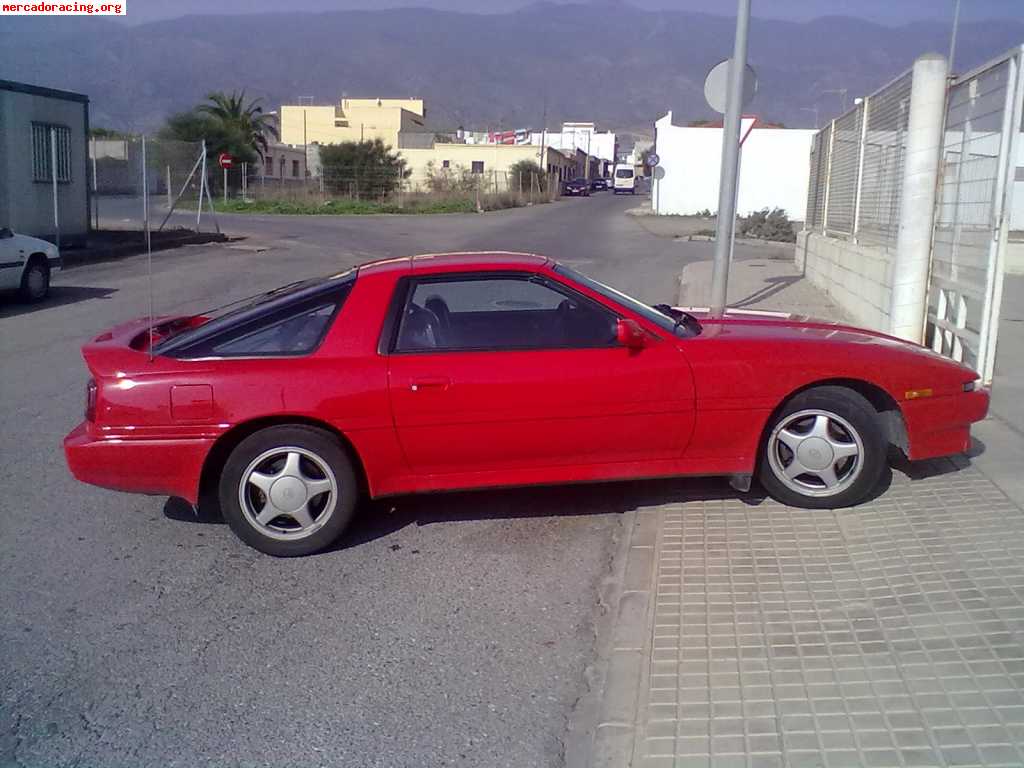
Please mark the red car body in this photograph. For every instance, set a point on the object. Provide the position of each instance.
(455, 420)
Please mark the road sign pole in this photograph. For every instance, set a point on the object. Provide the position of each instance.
(730, 162)
(225, 185)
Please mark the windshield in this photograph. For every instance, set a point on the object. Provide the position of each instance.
(240, 310)
(644, 310)
(624, 173)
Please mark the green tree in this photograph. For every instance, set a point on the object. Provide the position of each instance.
(526, 175)
(362, 169)
(242, 129)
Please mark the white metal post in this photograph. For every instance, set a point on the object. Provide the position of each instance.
(912, 259)
(225, 186)
(170, 200)
(864, 114)
(95, 200)
(202, 186)
(730, 162)
(828, 177)
(53, 178)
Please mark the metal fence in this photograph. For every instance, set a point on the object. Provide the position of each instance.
(857, 168)
(855, 187)
(973, 207)
(140, 176)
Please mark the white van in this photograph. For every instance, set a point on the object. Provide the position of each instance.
(625, 179)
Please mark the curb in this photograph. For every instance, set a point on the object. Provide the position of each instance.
(615, 738)
(85, 256)
(694, 286)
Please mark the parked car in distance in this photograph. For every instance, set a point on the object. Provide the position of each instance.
(454, 371)
(599, 184)
(26, 264)
(624, 180)
(576, 187)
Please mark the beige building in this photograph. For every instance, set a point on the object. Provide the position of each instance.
(492, 161)
(397, 122)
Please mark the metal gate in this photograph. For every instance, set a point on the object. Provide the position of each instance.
(976, 179)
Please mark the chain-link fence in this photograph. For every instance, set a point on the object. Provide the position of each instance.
(390, 186)
(857, 168)
(140, 176)
(973, 206)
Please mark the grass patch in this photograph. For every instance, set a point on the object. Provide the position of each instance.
(411, 204)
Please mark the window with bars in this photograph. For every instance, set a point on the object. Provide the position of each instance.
(42, 156)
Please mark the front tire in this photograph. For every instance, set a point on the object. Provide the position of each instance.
(824, 449)
(35, 280)
(289, 490)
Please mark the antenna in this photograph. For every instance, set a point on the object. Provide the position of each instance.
(149, 244)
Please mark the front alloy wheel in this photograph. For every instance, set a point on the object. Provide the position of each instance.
(825, 449)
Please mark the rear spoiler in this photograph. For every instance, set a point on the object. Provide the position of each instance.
(124, 347)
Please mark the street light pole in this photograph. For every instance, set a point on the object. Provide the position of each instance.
(728, 180)
(813, 109)
(952, 37)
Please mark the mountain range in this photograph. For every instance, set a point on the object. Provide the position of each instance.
(617, 64)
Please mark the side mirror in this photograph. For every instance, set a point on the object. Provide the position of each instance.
(5, 232)
(630, 335)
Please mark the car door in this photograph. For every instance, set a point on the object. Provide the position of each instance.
(11, 260)
(511, 371)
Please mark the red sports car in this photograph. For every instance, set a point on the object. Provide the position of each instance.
(449, 371)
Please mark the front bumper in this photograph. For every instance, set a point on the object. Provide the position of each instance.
(170, 467)
(941, 426)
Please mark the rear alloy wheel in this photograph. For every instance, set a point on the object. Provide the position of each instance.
(288, 490)
(824, 450)
(35, 280)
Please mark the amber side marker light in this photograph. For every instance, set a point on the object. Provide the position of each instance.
(914, 394)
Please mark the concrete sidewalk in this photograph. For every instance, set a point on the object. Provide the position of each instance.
(748, 633)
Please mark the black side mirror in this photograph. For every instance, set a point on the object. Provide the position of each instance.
(5, 232)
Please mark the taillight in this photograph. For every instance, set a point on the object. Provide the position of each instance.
(90, 400)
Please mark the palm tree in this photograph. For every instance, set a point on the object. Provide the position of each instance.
(242, 128)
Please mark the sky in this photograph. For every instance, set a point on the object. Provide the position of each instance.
(891, 12)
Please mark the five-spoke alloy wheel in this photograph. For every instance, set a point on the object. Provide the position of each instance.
(288, 490)
(824, 449)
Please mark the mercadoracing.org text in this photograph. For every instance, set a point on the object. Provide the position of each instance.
(63, 9)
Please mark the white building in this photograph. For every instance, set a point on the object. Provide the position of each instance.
(31, 118)
(582, 136)
(774, 169)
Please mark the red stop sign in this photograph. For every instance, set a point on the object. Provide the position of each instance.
(225, 160)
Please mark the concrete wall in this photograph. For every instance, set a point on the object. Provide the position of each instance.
(857, 277)
(26, 206)
(774, 170)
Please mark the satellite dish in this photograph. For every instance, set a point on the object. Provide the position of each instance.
(716, 86)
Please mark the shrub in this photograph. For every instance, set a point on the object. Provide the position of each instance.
(768, 225)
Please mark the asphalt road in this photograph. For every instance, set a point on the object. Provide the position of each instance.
(444, 630)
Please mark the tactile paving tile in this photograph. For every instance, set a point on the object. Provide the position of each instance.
(891, 634)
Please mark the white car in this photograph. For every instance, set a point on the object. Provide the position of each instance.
(26, 264)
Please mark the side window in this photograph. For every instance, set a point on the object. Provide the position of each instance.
(292, 333)
(499, 313)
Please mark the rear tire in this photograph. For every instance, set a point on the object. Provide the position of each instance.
(35, 280)
(289, 490)
(824, 449)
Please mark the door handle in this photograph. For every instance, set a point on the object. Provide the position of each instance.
(437, 383)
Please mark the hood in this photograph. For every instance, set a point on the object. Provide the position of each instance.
(787, 327)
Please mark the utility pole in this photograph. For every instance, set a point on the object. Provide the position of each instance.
(841, 92)
(952, 37)
(813, 109)
(728, 180)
